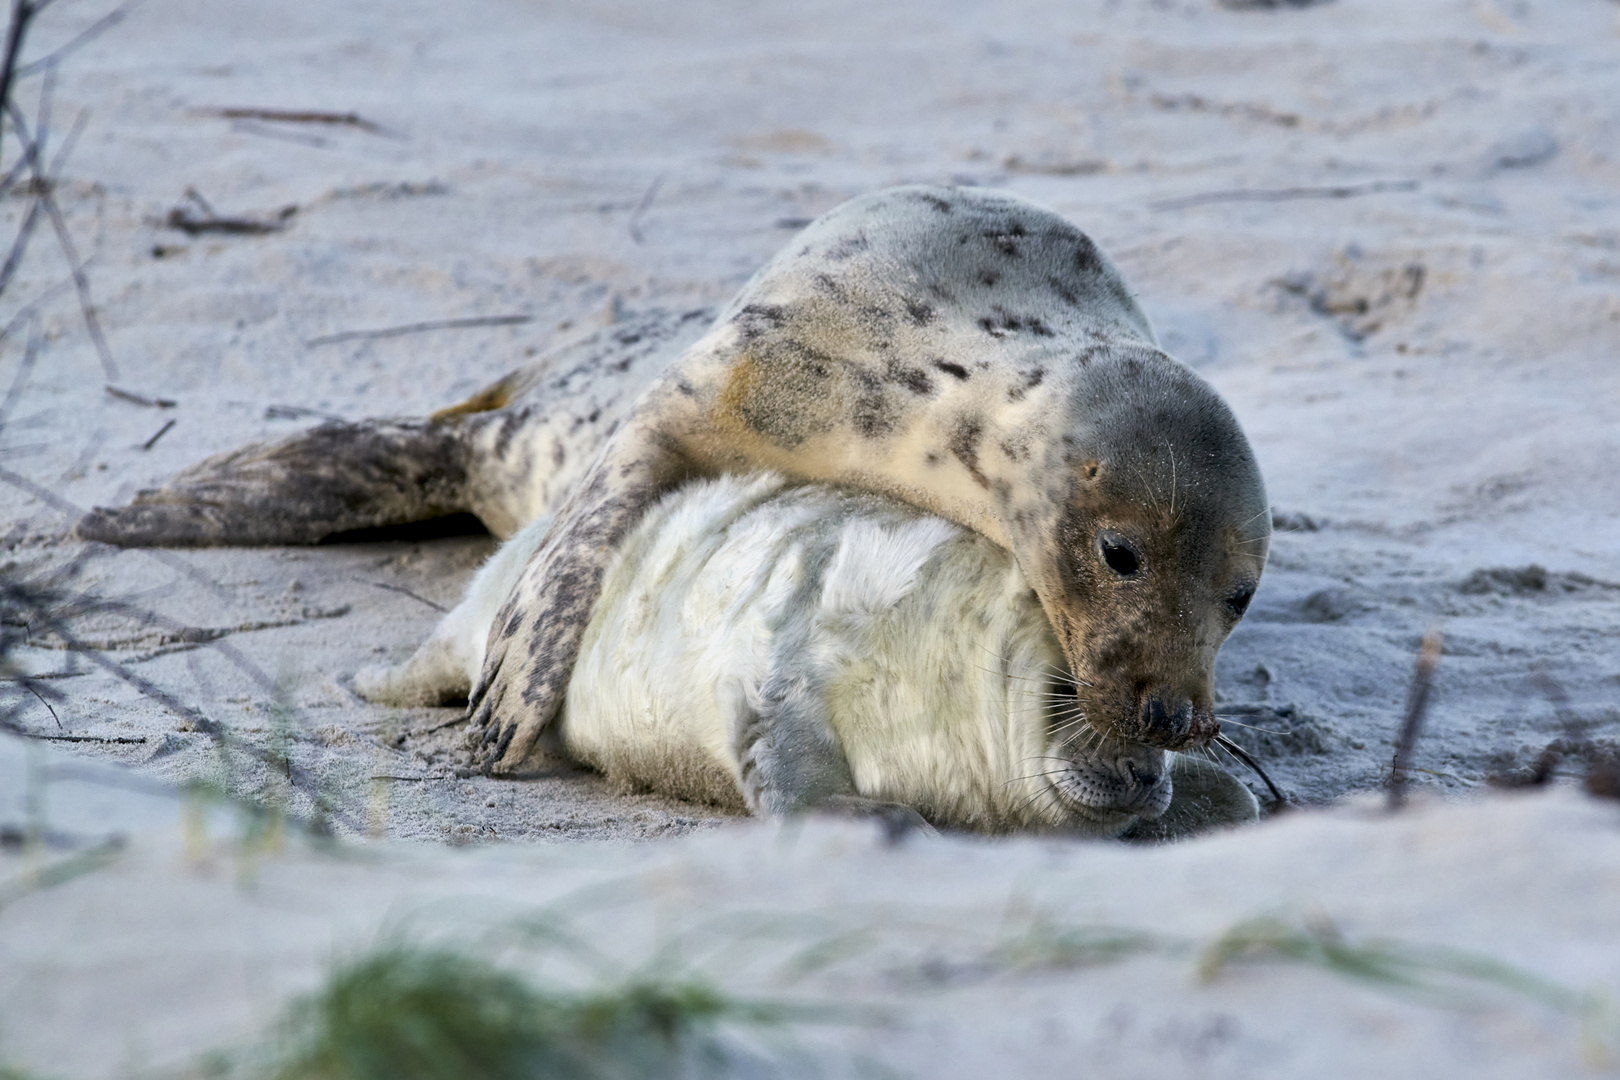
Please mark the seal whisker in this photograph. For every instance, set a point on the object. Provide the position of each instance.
(1225, 719)
(1256, 517)
(1243, 755)
(1030, 799)
(1036, 775)
(1147, 488)
(1093, 738)
(1065, 675)
(1071, 723)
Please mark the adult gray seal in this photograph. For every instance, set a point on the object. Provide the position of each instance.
(781, 649)
(962, 350)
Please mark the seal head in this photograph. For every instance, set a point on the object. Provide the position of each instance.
(1147, 547)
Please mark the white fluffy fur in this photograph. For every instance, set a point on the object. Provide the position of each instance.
(867, 636)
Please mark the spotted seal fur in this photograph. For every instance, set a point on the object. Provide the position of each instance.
(961, 350)
(779, 649)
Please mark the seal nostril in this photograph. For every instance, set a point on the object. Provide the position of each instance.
(1154, 716)
(1146, 778)
(1159, 719)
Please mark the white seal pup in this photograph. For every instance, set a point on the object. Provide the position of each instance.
(964, 351)
(783, 649)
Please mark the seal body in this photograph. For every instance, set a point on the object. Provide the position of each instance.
(963, 351)
(975, 356)
(783, 648)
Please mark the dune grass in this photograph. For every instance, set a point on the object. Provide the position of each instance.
(416, 1012)
(1431, 971)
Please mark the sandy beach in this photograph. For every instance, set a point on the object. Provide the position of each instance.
(1388, 234)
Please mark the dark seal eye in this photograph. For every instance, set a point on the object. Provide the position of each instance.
(1238, 602)
(1118, 553)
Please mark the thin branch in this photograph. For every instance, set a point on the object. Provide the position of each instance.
(42, 120)
(296, 412)
(146, 688)
(299, 116)
(1347, 191)
(417, 328)
(32, 689)
(181, 217)
(126, 739)
(24, 163)
(24, 369)
(22, 13)
(81, 281)
(162, 431)
(1417, 703)
(19, 246)
(642, 207)
(140, 399)
(79, 40)
(57, 163)
(402, 589)
(44, 612)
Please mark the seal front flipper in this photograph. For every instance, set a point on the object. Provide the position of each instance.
(535, 638)
(330, 479)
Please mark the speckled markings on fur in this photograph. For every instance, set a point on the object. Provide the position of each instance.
(508, 454)
(962, 350)
(978, 357)
(784, 649)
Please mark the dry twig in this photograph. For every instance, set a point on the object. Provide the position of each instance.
(299, 116)
(1346, 191)
(641, 209)
(140, 399)
(162, 431)
(418, 328)
(403, 590)
(79, 40)
(1417, 704)
(120, 740)
(43, 182)
(194, 215)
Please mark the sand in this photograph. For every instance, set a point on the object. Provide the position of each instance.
(1387, 233)
(945, 957)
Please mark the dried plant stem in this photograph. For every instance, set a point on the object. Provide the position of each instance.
(22, 13)
(641, 210)
(418, 328)
(1345, 191)
(1417, 704)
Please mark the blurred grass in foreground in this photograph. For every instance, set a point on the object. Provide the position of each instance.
(407, 1012)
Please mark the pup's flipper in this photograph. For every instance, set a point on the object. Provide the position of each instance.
(442, 669)
(330, 479)
(1206, 797)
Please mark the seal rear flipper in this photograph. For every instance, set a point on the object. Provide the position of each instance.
(330, 479)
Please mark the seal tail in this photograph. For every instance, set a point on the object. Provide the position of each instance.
(330, 479)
